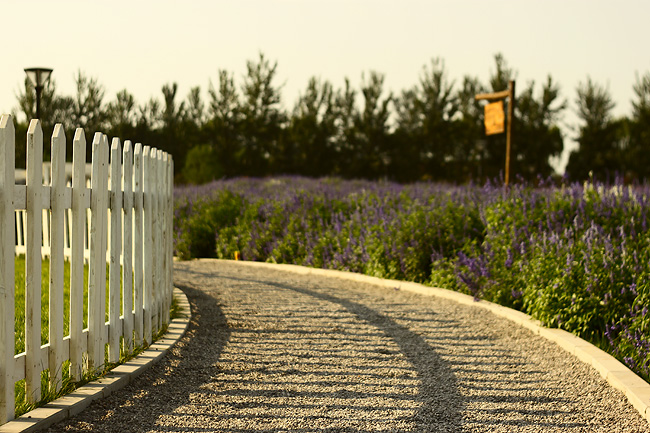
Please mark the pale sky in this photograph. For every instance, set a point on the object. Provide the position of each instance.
(142, 45)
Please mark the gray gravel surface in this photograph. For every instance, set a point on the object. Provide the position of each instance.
(272, 351)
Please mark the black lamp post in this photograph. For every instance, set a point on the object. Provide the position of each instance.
(38, 77)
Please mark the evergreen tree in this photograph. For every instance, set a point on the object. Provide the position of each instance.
(262, 121)
(195, 107)
(87, 110)
(638, 153)
(148, 125)
(172, 136)
(311, 130)
(121, 116)
(53, 106)
(425, 129)
(536, 134)
(469, 144)
(599, 151)
(225, 124)
(406, 161)
(194, 125)
(54, 109)
(438, 106)
(345, 139)
(430, 131)
(370, 156)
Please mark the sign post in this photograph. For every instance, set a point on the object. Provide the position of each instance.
(494, 118)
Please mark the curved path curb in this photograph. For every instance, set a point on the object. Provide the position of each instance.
(613, 371)
(73, 403)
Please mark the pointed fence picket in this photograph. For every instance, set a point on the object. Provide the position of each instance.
(7, 265)
(57, 199)
(115, 220)
(78, 232)
(33, 260)
(138, 250)
(127, 252)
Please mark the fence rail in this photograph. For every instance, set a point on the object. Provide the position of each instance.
(121, 224)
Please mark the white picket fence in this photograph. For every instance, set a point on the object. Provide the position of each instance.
(122, 222)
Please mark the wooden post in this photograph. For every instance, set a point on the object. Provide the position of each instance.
(510, 94)
(34, 186)
(115, 330)
(170, 251)
(127, 246)
(80, 194)
(7, 265)
(97, 266)
(138, 240)
(57, 259)
(147, 233)
(160, 247)
(169, 210)
(511, 117)
(155, 225)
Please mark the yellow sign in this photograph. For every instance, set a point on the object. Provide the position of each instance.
(494, 118)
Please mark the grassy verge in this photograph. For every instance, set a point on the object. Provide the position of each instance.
(68, 384)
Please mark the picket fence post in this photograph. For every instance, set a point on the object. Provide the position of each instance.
(7, 266)
(115, 330)
(78, 232)
(57, 200)
(127, 250)
(167, 200)
(157, 231)
(97, 265)
(138, 248)
(170, 225)
(147, 232)
(33, 240)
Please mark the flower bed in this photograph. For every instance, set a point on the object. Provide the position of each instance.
(575, 257)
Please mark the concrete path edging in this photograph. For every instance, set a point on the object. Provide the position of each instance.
(73, 403)
(612, 370)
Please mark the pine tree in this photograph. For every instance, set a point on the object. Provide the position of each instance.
(599, 153)
(638, 154)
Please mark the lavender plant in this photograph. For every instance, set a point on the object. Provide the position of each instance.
(575, 256)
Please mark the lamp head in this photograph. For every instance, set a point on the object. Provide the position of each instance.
(38, 76)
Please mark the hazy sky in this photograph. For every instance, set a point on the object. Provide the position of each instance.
(141, 45)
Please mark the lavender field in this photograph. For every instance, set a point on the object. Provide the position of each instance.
(575, 256)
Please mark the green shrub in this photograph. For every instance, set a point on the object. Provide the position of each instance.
(575, 257)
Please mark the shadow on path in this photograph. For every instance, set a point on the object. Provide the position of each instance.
(442, 403)
(138, 406)
(262, 350)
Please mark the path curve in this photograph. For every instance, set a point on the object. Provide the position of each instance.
(269, 350)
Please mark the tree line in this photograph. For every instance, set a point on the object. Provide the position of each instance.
(433, 130)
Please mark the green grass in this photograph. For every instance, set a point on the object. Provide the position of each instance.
(19, 309)
(68, 384)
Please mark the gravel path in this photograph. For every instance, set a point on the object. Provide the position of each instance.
(271, 351)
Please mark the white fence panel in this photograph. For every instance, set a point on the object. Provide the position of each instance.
(64, 220)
